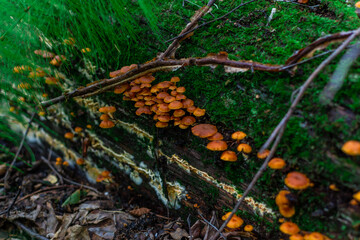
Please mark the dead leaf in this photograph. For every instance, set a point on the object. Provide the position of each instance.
(77, 232)
(139, 212)
(51, 179)
(179, 234)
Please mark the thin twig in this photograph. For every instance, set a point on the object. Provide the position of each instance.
(189, 225)
(68, 180)
(306, 85)
(212, 225)
(29, 231)
(252, 183)
(61, 179)
(199, 7)
(7, 175)
(7, 211)
(206, 23)
(175, 44)
(212, 220)
(44, 190)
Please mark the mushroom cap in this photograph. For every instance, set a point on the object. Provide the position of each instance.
(146, 79)
(139, 104)
(180, 97)
(164, 84)
(357, 5)
(281, 198)
(351, 148)
(191, 109)
(149, 103)
(135, 89)
(164, 118)
(235, 221)
(172, 88)
(356, 196)
(145, 85)
(263, 154)
(180, 89)
(216, 136)
(174, 93)
(297, 181)
(296, 237)
(163, 107)
(314, 236)
(162, 95)
(287, 210)
(188, 120)
(199, 112)
(143, 110)
(179, 113)
(175, 79)
(244, 147)
(187, 103)
(110, 109)
(121, 88)
(169, 99)
(107, 124)
(69, 135)
(229, 156)
(248, 228)
(80, 161)
(277, 163)
(183, 126)
(289, 228)
(175, 105)
(238, 135)
(161, 124)
(217, 145)
(78, 129)
(204, 130)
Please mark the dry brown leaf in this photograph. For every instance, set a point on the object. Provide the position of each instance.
(139, 212)
(179, 234)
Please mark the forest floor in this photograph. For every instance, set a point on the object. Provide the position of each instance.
(47, 200)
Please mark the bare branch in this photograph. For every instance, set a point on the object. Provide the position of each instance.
(7, 175)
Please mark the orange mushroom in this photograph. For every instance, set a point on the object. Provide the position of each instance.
(235, 221)
(296, 237)
(199, 112)
(204, 130)
(238, 135)
(188, 120)
(80, 161)
(356, 196)
(175, 105)
(161, 124)
(69, 135)
(297, 181)
(314, 236)
(263, 154)
(217, 145)
(248, 228)
(216, 136)
(78, 129)
(289, 228)
(229, 156)
(107, 124)
(243, 147)
(351, 148)
(277, 163)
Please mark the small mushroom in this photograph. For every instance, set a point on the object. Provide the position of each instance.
(289, 228)
(69, 135)
(297, 181)
(244, 147)
(238, 135)
(107, 124)
(277, 163)
(217, 145)
(229, 156)
(235, 221)
(248, 228)
(351, 148)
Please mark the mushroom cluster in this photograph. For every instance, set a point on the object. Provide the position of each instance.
(290, 228)
(165, 101)
(106, 115)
